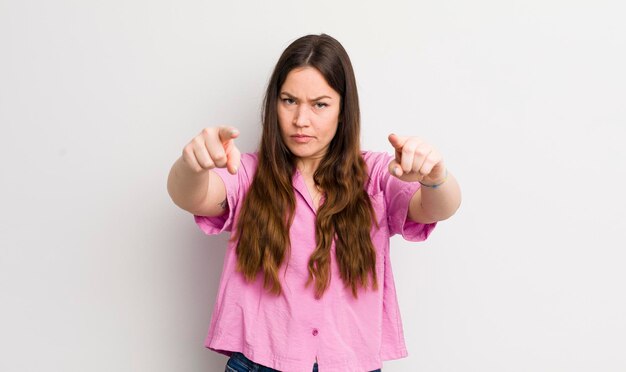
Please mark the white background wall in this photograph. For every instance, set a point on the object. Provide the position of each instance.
(99, 271)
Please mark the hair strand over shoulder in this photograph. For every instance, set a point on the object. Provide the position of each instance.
(346, 215)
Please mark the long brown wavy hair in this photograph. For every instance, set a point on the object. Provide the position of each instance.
(346, 216)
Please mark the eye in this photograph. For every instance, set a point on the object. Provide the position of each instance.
(320, 105)
(289, 101)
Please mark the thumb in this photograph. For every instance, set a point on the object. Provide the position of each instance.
(395, 169)
(234, 160)
(227, 135)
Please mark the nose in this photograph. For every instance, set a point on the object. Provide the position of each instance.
(302, 116)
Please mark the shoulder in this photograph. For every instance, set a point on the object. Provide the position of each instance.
(376, 161)
(250, 160)
(377, 168)
(244, 175)
(247, 169)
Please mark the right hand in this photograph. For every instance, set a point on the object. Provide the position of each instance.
(213, 147)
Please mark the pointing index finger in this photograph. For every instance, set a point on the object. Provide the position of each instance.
(227, 133)
(396, 141)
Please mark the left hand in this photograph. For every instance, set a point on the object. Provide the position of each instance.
(416, 160)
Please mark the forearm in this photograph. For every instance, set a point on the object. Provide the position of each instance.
(436, 204)
(187, 189)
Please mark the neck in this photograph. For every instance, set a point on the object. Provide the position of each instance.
(308, 166)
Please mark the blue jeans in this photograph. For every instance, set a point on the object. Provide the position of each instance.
(239, 363)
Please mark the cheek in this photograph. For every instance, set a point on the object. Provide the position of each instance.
(282, 118)
(283, 123)
(332, 123)
(333, 116)
(334, 130)
(285, 116)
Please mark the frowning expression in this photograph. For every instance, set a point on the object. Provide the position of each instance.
(308, 113)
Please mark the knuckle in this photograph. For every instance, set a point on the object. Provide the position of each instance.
(191, 165)
(206, 164)
(198, 141)
(188, 152)
(421, 151)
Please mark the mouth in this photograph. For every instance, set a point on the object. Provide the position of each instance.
(301, 138)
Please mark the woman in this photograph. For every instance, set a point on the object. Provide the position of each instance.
(307, 281)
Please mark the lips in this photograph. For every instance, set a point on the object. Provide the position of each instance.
(301, 138)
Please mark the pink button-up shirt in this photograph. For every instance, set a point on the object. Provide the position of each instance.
(290, 331)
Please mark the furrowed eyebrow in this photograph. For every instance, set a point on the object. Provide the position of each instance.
(312, 100)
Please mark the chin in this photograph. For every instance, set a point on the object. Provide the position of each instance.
(299, 153)
(302, 153)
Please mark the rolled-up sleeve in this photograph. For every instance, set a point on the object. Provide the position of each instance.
(235, 185)
(397, 195)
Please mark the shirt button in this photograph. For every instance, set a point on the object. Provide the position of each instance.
(315, 332)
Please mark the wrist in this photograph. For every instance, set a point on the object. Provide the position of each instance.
(433, 184)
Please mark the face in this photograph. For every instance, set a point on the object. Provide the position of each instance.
(308, 114)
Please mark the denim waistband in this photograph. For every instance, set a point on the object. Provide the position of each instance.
(239, 363)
